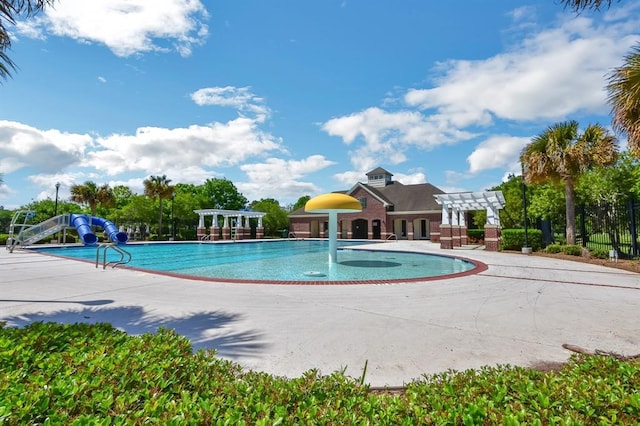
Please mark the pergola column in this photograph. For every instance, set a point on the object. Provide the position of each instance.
(242, 225)
(455, 227)
(446, 241)
(463, 229)
(260, 229)
(453, 233)
(492, 230)
(201, 231)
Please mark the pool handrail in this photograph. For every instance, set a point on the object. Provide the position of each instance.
(106, 246)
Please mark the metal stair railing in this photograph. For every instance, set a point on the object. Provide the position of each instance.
(30, 234)
(125, 256)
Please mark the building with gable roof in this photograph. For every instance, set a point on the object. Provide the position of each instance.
(389, 208)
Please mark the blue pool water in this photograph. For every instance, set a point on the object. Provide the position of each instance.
(286, 260)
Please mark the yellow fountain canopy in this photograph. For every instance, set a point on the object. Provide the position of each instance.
(333, 202)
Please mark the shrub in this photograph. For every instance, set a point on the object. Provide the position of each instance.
(95, 374)
(513, 239)
(3, 239)
(599, 253)
(572, 250)
(553, 248)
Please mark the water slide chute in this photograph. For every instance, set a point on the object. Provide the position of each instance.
(83, 223)
(84, 229)
(111, 230)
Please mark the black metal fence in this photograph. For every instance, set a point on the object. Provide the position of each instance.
(610, 226)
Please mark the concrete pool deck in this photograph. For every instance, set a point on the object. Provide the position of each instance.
(519, 311)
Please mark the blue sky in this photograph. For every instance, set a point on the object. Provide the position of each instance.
(288, 98)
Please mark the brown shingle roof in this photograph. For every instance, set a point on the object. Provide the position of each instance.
(418, 197)
(379, 171)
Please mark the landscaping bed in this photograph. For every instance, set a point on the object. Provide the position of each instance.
(95, 374)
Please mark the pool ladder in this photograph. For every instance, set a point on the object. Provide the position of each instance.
(125, 256)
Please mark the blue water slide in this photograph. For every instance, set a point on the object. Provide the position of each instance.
(111, 230)
(81, 223)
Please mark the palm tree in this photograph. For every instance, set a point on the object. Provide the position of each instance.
(90, 194)
(561, 154)
(158, 187)
(624, 97)
(9, 10)
(580, 5)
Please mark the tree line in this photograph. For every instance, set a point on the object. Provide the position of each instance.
(164, 209)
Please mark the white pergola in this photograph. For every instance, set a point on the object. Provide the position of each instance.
(455, 204)
(242, 217)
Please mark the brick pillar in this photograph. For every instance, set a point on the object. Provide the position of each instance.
(226, 233)
(214, 233)
(239, 233)
(492, 237)
(446, 237)
(259, 233)
(201, 232)
(434, 231)
(409, 230)
(455, 235)
(463, 235)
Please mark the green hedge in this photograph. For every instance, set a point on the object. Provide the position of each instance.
(513, 239)
(95, 374)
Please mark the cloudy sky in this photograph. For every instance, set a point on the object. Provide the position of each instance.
(289, 98)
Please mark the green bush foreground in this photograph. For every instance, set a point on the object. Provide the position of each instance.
(95, 374)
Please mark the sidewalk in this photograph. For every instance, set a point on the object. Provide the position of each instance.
(519, 311)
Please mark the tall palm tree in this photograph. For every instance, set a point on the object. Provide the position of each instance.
(562, 154)
(158, 187)
(90, 194)
(624, 97)
(580, 5)
(9, 11)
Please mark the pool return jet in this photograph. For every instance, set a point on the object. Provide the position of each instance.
(333, 203)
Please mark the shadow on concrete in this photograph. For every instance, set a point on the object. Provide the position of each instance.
(79, 302)
(205, 330)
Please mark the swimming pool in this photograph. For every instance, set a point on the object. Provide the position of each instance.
(280, 261)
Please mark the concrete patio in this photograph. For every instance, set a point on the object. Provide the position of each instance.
(519, 311)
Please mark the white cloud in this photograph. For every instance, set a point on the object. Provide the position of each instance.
(410, 179)
(159, 150)
(126, 27)
(496, 152)
(387, 135)
(48, 151)
(549, 75)
(281, 179)
(239, 98)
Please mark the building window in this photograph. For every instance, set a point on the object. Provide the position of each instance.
(363, 202)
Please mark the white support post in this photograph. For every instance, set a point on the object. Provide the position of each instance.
(333, 237)
(491, 215)
(455, 217)
(445, 214)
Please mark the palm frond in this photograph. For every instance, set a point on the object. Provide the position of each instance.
(580, 5)
(624, 97)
